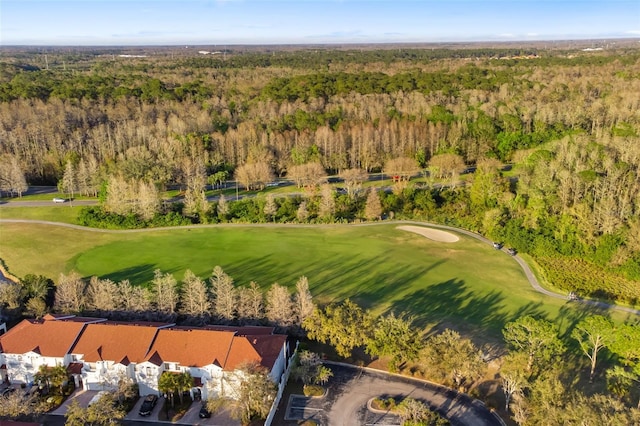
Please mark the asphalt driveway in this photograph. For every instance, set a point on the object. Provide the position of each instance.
(348, 392)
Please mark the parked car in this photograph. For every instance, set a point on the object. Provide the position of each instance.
(149, 402)
(8, 391)
(497, 246)
(204, 412)
(97, 397)
(59, 200)
(512, 251)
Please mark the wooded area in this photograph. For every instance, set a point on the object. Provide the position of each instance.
(552, 139)
(567, 122)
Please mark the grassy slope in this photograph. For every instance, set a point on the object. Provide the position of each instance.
(57, 213)
(466, 284)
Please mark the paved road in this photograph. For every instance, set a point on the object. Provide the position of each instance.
(351, 388)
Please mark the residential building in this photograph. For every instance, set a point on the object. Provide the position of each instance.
(99, 353)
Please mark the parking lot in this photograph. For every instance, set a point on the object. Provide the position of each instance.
(191, 417)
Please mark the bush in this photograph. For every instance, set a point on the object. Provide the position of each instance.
(313, 390)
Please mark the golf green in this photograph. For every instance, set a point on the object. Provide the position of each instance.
(466, 283)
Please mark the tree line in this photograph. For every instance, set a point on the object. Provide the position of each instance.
(191, 300)
(537, 373)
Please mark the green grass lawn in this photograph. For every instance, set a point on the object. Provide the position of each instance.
(467, 285)
(65, 213)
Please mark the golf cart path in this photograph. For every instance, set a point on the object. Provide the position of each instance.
(524, 265)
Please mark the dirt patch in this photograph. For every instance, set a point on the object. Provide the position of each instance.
(432, 234)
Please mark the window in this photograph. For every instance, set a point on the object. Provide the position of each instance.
(148, 371)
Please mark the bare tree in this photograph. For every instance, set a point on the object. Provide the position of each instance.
(133, 298)
(401, 168)
(250, 303)
(165, 292)
(222, 207)
(373, 207)
(194, 300)
(148, 200)
(280, 309)
(270, 208)
(226, 295)
(302, 214)
(70, 293)
(327, 207)
(307, 175)
(69, 182)
(254, 175)
(12, 178)
(102, 294)
(303, 300)
(353, 180)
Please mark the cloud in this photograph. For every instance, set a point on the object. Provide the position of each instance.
(633, 32)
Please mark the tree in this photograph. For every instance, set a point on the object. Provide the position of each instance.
(414, 412)
(133, 298)
(254, 175)
(513, 377)
(302, 214)
(69, 182)
(270, 208)
(353, 179)
(70, 293)
(395, 337)
(102, 295)
(18, 404)
(373, 207)
(194, 300)
(148, 200)
(105, 411)
(279, 310)
(12, 179)
(222, 208)
(593, 333)
(626, 345)
(226, 296)
(402, 168)
(344, 326)
(184, 383)
(308, 175)
(303, 300)
(443, 166)
(327, 207)
(250, 303)
(256, 393)
(168, 384)
(456, 358)
(306, 368)
(538, 338)
(165, 292)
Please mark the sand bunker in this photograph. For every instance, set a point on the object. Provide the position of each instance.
(432, 234)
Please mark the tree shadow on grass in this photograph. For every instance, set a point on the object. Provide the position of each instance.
(137, 275)
(452, 302)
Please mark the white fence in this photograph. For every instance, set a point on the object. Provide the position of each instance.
(281, 385)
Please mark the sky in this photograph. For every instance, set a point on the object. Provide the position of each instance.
(222, 22)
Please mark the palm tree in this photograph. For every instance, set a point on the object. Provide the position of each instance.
(167, 384)
(184, 383)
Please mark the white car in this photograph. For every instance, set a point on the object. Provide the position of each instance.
(59, 200)
(97, 397)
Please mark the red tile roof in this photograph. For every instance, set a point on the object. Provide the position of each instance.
(192, 347)
(50, 338)
(124, 343)
(262, 349)
(115, 341)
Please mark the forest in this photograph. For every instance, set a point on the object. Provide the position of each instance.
(551, 135)
(539, 149)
